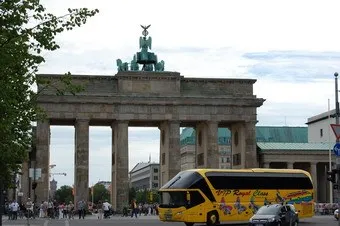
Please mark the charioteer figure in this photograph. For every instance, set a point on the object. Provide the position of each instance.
(147, 59)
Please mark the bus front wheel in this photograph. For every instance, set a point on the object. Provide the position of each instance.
(212, 218)
(189, 224)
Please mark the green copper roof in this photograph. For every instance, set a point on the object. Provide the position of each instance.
(281, 134)
(188, 136)
(269, 146)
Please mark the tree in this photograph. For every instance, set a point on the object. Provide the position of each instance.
(64, 194)
(100, 193)
(132, 194)
(26, 30)
(142, 196)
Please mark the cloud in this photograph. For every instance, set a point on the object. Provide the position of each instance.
(293, 66)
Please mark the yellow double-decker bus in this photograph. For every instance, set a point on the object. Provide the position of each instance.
(213, 196)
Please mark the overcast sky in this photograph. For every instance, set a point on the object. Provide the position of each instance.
(290, 47)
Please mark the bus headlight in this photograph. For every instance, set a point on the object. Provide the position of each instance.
(179, 213)
(271, 219)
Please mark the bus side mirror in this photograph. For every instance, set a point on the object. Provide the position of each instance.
(188, 200)
(188, 197)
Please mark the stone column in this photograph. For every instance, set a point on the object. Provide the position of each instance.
(42, 160)
(313, 172)
(120, 165)
(81, 161)
(200, 146)
(170, 153)
(238, 146)
(250, 159)
(211, 151)
(25, 182)
(200, 154)
(290, 165)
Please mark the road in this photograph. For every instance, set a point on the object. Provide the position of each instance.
(142, 221)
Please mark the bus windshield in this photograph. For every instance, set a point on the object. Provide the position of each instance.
(172, 199)
(184, 179)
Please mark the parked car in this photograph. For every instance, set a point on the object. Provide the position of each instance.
(336, 214)
(275, 215)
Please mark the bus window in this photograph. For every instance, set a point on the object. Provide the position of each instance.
(184, 179)
(259, 181)
(195, 198)
(172, 199)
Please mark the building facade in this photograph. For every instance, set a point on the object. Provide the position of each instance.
(145, 176)
(319, 129)
(107, 184)
(277, 134)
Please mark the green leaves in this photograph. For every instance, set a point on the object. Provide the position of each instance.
(21, 45)
(64, 194)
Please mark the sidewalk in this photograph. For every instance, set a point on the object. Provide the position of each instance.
(95, 217)
(148, 217)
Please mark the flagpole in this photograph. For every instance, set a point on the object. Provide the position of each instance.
(330, 154)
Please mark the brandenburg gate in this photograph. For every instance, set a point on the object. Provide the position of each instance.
(147, 96)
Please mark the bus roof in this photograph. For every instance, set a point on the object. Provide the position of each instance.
(254, 170)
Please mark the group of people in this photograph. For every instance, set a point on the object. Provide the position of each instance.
(56, 210)
(47, 209)
(15, 210)
(104, 210)
(145, 209)
(53, 210)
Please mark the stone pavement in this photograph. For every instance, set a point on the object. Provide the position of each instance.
(117, 216)
(95, 217)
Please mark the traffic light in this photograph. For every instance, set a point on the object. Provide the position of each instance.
(331, 175)
(34, 185)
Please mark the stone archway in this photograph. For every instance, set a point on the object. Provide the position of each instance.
(166, 100)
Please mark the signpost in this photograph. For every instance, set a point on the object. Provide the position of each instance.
(336, 131)
(336, 149)
(35, 174)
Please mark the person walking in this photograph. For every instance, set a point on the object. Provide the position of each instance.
(100, 210)
(106, 207)
(15, 208)
(81, 209)
(70, 209)
(30, 209)
(134, 208)
(41, 210)
(50, 209)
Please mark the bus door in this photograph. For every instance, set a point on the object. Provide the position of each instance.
(195, 206)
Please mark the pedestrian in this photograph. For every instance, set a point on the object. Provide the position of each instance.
(15, 208)
(81, 209)
(133, 208)
(100, 210)
(70, 211)
(106, 207)
(9, 209)
(50, 208)
(41, 210)
(22, 210)
(30, 209)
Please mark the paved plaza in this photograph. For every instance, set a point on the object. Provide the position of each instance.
(141, 220)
